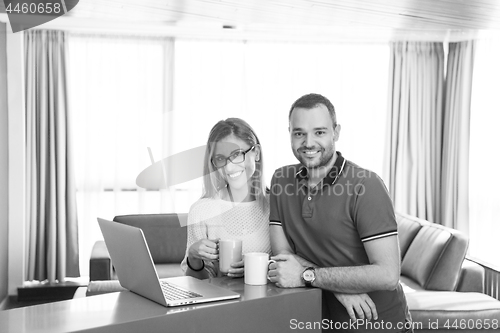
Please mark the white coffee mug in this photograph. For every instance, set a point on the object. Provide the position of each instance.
(229, 252)
(256, 267)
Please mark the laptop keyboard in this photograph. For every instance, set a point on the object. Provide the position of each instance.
(173, 292)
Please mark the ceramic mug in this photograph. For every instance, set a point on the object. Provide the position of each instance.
(229, 253)
(256, 267)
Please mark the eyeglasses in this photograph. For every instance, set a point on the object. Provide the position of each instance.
(237, 157)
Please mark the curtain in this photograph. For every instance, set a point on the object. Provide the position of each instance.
(52, 231)
(413, 142)
(456, 136)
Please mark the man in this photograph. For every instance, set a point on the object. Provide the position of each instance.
(333, 227)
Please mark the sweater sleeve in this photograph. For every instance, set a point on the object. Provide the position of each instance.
(196, 231)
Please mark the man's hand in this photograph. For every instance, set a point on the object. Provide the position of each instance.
(286, 272)
(360, 305)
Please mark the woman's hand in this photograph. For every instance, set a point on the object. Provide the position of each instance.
(358, 306)
(204, 249)
(236, 270)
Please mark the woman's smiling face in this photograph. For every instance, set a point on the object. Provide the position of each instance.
(237, 175)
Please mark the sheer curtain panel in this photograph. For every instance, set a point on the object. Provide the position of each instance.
(455, 162)
(121, 104)
(413, 144)
(52, 231)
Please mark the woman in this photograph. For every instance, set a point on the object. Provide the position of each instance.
(234, 204)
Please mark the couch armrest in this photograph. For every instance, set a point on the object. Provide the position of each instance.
(471, 277)
(100, 262)
(434, 257)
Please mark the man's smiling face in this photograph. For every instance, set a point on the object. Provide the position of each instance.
(312, 136)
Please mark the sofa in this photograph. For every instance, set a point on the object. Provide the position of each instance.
(443, 289)
(166, 235)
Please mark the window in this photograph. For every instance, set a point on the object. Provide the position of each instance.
(484, 183)
(117, 104)
(119, 90)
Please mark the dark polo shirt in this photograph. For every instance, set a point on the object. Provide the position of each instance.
(329, 224)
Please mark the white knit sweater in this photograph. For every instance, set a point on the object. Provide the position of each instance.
(219, 219)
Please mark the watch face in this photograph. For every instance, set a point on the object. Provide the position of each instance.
(308, 275)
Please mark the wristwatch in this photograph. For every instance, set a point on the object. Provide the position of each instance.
(309, 275)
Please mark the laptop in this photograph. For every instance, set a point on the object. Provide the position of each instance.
(136, 271)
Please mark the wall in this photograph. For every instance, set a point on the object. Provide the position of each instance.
(3, 165)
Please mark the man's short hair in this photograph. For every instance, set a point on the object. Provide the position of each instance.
(310, 101)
